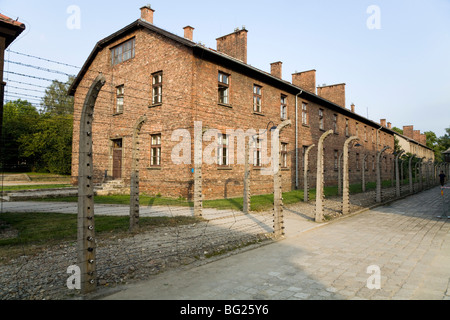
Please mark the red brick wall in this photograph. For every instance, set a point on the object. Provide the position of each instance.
(190, 93)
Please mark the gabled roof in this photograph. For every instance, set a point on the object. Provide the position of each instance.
(225, 60)
(10, 29)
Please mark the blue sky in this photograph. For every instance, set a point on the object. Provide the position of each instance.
(399, 72)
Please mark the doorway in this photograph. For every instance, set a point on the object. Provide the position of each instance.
(117, 159)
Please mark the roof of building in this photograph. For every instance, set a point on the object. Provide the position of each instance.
(447, 151)
(226, 60)
(10, 29)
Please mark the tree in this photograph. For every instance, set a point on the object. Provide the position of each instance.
(20, 118)
(51, 144)
(56, 100)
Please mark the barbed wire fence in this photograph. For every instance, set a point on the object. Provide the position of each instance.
(169, 233)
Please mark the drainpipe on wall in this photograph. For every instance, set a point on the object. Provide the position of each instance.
(296, 139)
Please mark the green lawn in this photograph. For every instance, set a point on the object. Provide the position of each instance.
(34, 187)
(37, 230)
(258, 202)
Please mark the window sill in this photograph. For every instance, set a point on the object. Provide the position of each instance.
(153, 168)
(155, 105)
(117, 114)
(225, 105)
(224, 168)
(256, 113)
(285, 169)
(305, 125)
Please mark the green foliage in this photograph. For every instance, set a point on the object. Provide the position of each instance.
(51, 145)
(39, 140)
(19, 118)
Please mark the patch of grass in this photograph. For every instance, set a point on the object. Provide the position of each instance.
(42, 229)
(258, 202)
(35, 187)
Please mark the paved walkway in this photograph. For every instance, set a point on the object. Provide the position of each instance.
(404, 241)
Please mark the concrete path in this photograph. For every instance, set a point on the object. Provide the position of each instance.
(398, 251)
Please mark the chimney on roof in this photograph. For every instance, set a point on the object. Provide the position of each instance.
(276, 69)
(416, 135)
(234, 44)
(408, 131)
(305, 80)
(147, 14)
(389, 125)
(334, 93)
(189, 32)
(352, 107)
(383, 122)
(423, 139)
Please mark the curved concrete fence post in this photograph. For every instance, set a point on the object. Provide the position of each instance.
(86, 226)
(410, 177)
(340, 174)
(378, 195)
(278, 222)
(397, 175)
(345, 179)
(134, 181)
(320, 179)
(305, 174)
(363, 174)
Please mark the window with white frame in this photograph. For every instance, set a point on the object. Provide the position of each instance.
(257, 98)
(257, 153)
(284, 155)
(222, 150)
(120, 92)
(305, 114)
(283, 107)
(155, 153)
(123, 52)
(224, 88)
(321, 122)
(157, 82)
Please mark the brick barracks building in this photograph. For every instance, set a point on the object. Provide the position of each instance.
(176, 82)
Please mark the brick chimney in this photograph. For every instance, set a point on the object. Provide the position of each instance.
(389, 125)
(423, 139)
(276, 69)
(408, 131)
(334, 93)
(383, 122)
(352, 107)
(305, 80)
(147, 14)
(416, 135)
(234, 44)
(189, 32)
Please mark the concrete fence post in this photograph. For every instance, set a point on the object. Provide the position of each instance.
(397, 175)
(378, 192)
(86, 249)
(305, 174)
(198, 159)
(278, 219)
(340, 175)
(345, 179)
(363, 175)
(410, 177)
(247, 196)
(320, 178)
(134, 181)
